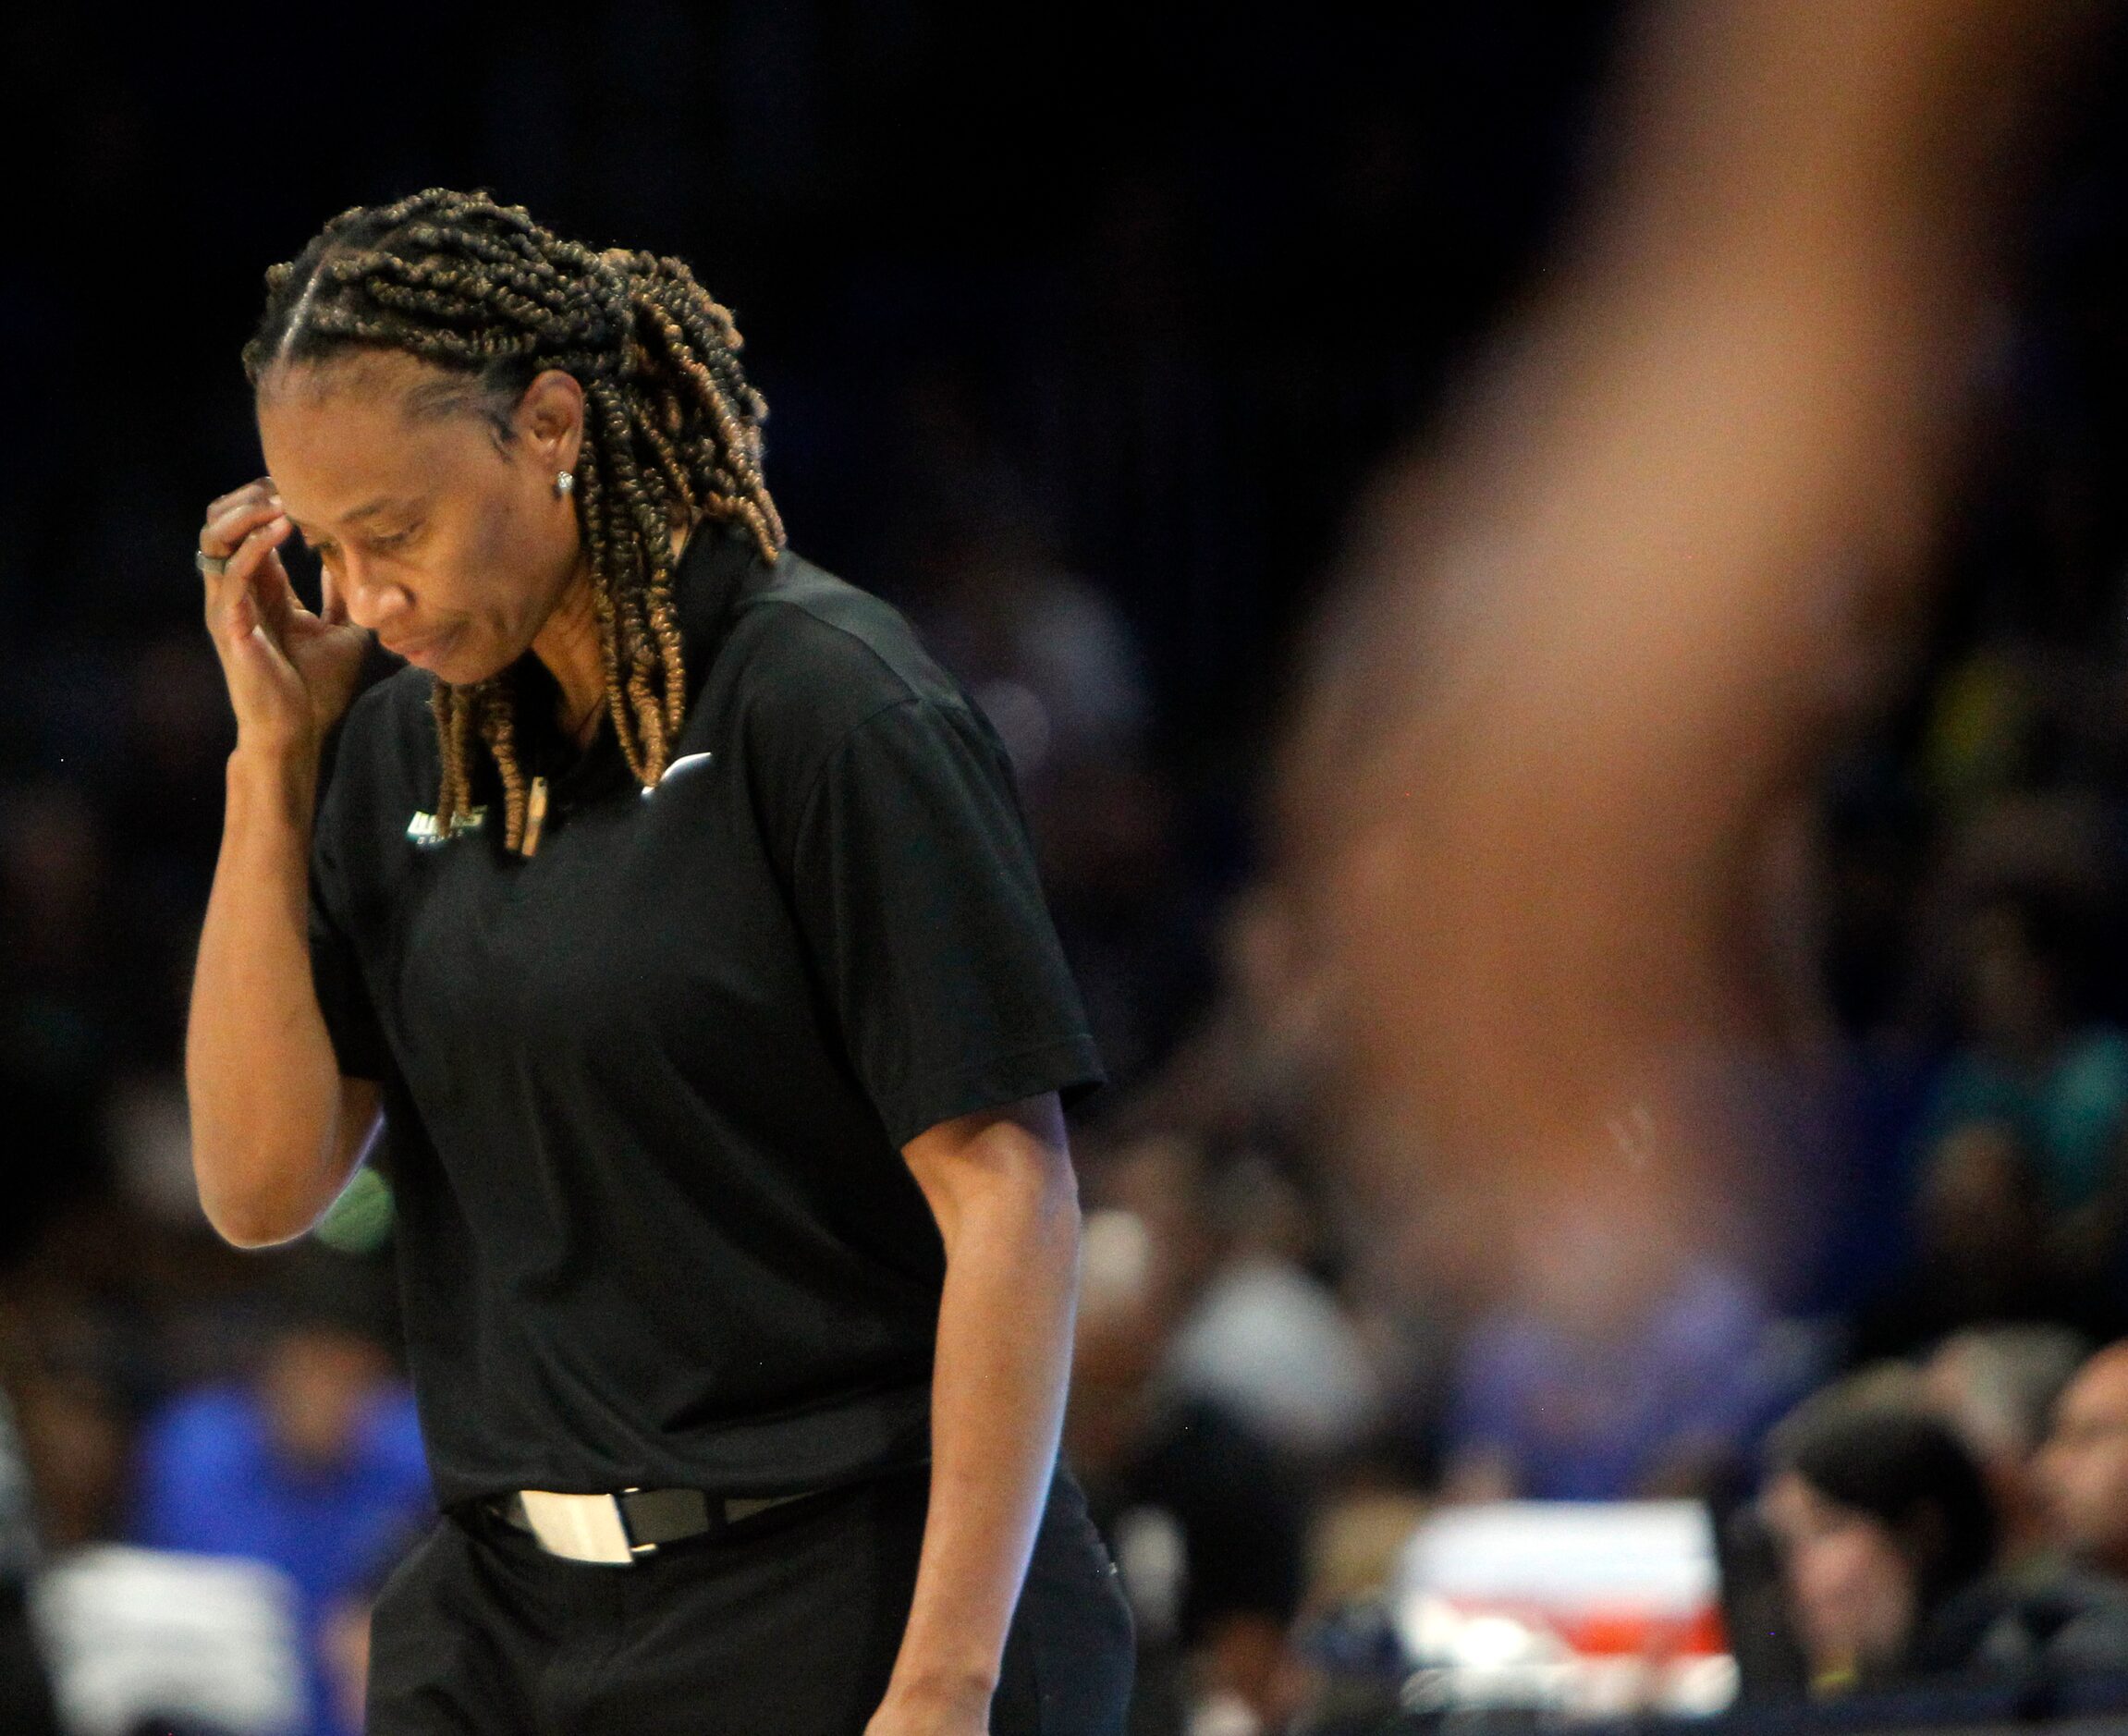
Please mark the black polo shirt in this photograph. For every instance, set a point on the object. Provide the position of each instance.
(645, 1089)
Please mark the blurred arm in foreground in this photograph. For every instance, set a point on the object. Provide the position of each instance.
(1592, 644)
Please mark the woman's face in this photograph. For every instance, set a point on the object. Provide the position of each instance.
(449, 543)
(1851, 1588)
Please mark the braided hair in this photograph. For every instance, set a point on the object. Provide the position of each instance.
(672, 429)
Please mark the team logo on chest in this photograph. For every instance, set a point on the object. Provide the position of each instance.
(424, 829)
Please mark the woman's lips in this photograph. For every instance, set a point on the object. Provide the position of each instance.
(419, 649)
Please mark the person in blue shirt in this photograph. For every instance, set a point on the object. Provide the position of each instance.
(313, 1463)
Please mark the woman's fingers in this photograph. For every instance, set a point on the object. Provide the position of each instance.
(251, 493)
(263, 685)
(233, 518)
(264, 682)
(238, 613)
(253, 551)
(258, 645)
(255, 615)
(221, 535)
(331, 610)
(261, 489)
(244, 530)
(277, 594)
(243, 603)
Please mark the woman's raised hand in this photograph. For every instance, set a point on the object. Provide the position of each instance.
(290, 672)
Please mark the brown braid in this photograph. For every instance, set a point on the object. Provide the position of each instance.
(672, 427)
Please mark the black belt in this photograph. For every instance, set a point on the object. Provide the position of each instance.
(620, 1529)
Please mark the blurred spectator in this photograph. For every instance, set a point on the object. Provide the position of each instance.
(1206, 1521)
(1981, 1252)
(2031, 1055)
(1257, 1331)
(2065, 1608)
(74, 1433)
(1266, 1338)
(153, 1643)
(1637, 1366)
(1997, 1387)
(1756, 1608)
(1881, 1519)
(2083, 1466)
(313, 1465)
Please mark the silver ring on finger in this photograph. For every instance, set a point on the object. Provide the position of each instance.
(211, 566)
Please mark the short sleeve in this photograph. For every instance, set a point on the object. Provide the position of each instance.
(335, 968)
(916, 890)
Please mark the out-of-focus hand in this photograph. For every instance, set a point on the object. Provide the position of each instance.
(290, 672)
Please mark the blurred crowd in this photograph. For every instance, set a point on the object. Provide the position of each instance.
(1897, 1370)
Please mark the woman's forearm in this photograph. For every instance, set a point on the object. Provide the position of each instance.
(997, 1398)
(259, 1073)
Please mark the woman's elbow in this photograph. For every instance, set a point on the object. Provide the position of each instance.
(251, 1220)
(256, 1200)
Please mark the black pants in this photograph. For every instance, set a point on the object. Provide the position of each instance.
(788, 1623)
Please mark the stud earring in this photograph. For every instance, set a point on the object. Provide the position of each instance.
(564, 483)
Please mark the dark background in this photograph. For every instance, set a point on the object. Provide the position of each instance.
(1186, 271)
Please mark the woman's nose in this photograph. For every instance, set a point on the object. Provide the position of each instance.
(373, 602)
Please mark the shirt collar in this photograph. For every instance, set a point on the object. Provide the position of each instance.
(712, 571)
(707, 585)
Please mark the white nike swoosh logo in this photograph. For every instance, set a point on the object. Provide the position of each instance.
(684, 761)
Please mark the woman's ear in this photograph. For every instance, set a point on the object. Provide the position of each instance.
(550, 419)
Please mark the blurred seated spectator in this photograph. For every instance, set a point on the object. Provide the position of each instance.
(2066, 1611)
(1266, 1338)
(1997, 1387)
(150, 1642)
(1637, 1367)
(74, 1424)
(1980, 1255)
(1254, 1330)
(1206, 1521)
(313, 1465)
(2030, 1054)
(1880, 1519)
(2083, 1467)
(1756, 1608)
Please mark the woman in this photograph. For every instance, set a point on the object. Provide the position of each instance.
(674, 913)
(1884, 1530)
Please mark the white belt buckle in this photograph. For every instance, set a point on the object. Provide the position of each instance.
(580, 1527)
